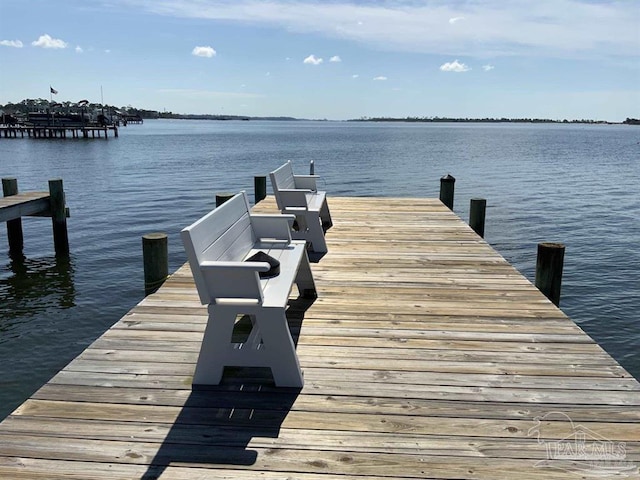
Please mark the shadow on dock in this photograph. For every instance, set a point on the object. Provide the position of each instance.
(217, 423)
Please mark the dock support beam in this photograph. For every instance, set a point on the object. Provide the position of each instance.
(477, 214)
(260, 188)
(155, 254)
(447, 186)
(14, 227)
(59, 217)
(549, 270)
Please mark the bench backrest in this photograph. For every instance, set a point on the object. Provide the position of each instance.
(282, 179)
(224, 234)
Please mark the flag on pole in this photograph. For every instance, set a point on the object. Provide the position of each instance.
(53, 90)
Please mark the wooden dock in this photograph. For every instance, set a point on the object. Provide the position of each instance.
(426, 356)
(14, 206)
(24, 204)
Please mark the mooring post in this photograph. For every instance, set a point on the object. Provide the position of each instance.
(312, 168)
(259, 188)
(155, 254)
(447, 186)
(223, 197)
(549, 270)
(14, 227)
(58, 217)
(477, 213)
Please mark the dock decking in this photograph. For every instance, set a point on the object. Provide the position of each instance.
(425, 356)
(24, 205)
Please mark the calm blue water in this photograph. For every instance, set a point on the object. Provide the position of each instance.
(576, 184)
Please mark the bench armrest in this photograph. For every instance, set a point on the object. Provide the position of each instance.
(276, 227)
(294, 197)
(239, 265)
(233, 280)
(306, 181)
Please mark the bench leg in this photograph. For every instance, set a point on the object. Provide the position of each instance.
(304, 279)
(269, 345)
(215, 347)
(311, 230)
(316, 234)
(325, 216)
(278, 348)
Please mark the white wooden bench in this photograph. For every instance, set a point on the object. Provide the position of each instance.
(217, 246)
(298, 195)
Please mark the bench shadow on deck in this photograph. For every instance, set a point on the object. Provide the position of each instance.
(217, 423)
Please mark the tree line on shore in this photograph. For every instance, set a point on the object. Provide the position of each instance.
(31, 105)
(41, 104)
(482, 120)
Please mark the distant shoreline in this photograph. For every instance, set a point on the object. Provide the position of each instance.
(396, 120)
(31, 105)
(177, 116)
(629, 121)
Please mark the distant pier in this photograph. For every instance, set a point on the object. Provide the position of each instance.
(58, 131)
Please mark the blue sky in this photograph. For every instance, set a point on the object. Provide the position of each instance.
(332, 59)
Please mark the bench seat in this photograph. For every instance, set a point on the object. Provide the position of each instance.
(276, 290)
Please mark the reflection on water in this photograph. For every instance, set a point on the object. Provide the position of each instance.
(31, 286)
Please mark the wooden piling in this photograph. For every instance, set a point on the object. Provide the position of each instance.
(477, 214)
(155, 253)
(447, 186)
(549, 266)
(223, 197)
(14, 227)
(58, 217)
(259, 188)
(312, 168)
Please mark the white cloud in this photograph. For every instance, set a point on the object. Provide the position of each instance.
(492, 27)
(355, 76)
(11, 43)
(380, 78)
(455, 20)
(45, 41)
(206, 52)
(454, 66)
(312, 60)
(335, 58)
(79, 49)
(488, 68)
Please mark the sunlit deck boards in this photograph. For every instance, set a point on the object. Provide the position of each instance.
(426, 355)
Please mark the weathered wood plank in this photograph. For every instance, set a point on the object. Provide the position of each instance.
(273, 399)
